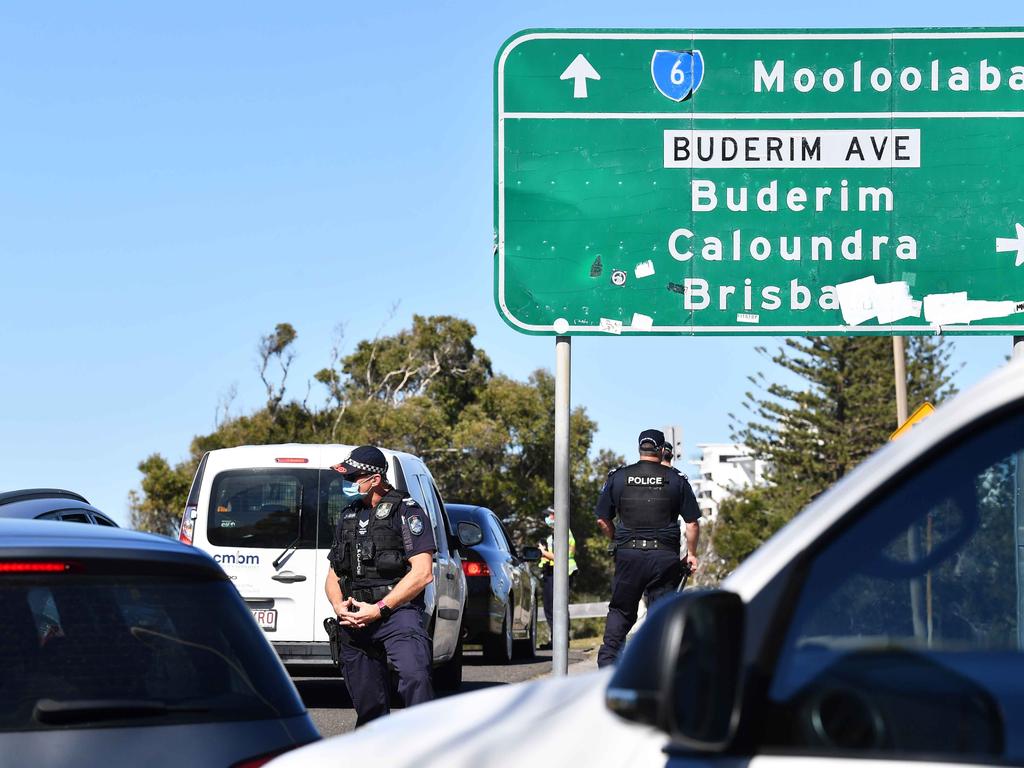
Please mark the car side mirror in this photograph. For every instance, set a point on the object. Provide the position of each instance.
(470, 534)
(529, 554)
(683, 671)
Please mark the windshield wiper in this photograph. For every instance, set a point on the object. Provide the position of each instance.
(279, 560)
(56, 712)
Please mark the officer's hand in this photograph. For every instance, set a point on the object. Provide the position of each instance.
(691, 560)
(342, 607)
(360, 614)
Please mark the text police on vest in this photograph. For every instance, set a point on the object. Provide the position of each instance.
(631, 480)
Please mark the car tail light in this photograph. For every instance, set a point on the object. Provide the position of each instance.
(38, 567)
(258, 760)
(294, 460)
(471, 568)
(188, 524)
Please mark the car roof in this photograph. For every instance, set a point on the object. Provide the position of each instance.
(31, 539)
(466, 510)
(10, 497)
(299, 449)
(34, 507)
(316, 456)
(999, 390)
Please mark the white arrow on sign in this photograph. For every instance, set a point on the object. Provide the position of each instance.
(1011, 244)
(579, 72)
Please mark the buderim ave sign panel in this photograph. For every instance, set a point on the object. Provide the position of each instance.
(711, 182)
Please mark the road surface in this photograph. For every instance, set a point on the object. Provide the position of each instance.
(331, 708)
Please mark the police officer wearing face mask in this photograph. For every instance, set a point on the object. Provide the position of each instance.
(381, 561)
(639, 509)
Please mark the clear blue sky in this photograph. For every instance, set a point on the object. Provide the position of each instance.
(177, 178)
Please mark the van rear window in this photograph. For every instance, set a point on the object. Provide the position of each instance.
(263, 508)
(81, 650)
(260, 507)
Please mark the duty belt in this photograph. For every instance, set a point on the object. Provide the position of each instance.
(642, 544)
(369, 594)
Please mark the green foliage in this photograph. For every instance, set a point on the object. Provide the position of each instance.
(840, 408)
(164, 491)
(488, 439)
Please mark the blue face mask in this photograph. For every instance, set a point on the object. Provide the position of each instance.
(550, 521)
(350, 491)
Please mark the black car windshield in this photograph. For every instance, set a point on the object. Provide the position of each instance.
(86, 650)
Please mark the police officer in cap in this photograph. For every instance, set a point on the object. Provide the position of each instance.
(639, 508)
(381, 561)
(667, 453)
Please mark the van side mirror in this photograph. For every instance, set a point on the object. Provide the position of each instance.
(529, 554)
(683, 671)
(470, 534)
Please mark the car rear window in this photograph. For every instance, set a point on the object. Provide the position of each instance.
(261, 508)
(472, 516)
(81, 650)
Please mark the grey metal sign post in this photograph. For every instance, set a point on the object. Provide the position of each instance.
(560, 609)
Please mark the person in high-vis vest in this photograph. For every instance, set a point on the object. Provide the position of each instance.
(547, 568)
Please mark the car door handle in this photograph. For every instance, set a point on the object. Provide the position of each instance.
(288, 577)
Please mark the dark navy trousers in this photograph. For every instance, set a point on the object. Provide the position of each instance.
(655, 573)
(400, 639)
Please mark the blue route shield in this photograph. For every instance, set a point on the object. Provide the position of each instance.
(677, 74)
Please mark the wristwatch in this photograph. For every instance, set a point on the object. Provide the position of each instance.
(385, 609)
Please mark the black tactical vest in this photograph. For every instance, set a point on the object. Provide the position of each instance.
(371, 555)
(649, 498)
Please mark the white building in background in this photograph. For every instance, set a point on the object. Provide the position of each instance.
(723, 468)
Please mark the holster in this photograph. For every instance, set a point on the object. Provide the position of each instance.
(340, 636)
(332, 628)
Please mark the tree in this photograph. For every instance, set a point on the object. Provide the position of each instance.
(164, 490)
(840, 408)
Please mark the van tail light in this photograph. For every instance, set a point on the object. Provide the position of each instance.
(472, 568)
(188, 524)
(291, 460)
(258, 760)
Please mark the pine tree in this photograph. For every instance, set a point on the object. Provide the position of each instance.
(832, 406)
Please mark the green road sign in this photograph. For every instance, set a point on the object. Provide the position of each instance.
(711, 182)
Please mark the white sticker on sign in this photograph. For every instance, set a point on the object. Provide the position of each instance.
(610, 326)
(644, 269)
(641, 322)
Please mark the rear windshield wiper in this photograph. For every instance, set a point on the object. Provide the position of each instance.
(92, 710)
(279, 560)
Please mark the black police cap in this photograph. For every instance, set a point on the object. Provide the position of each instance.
(364, 460)
(652, 439)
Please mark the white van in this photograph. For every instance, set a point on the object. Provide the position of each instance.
(267, 514)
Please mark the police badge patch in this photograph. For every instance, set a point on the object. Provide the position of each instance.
(383, 510)
(416, 525)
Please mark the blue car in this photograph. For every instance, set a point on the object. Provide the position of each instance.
(51, 504)
(501, 593)
(124, 648)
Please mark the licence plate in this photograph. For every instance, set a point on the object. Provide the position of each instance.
(266, 618)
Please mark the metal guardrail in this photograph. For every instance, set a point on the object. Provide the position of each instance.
(583, 611)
